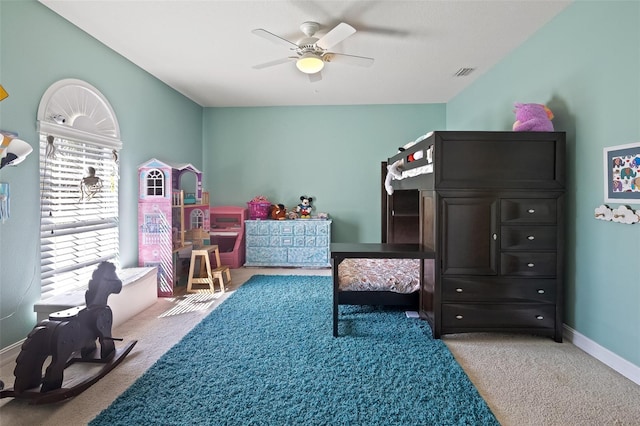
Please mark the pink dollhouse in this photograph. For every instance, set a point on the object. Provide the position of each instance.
(170, 202)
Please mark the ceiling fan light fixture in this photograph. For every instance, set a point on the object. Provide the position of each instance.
(310, 63)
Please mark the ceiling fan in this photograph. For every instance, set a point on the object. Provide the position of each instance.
(312, 52)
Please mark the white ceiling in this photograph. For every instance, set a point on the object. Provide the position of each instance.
(205, 49)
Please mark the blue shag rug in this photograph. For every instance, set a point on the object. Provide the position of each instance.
(266, 356)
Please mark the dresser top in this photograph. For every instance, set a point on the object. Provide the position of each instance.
(289, 220)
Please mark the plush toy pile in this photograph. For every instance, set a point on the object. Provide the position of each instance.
(532, 118)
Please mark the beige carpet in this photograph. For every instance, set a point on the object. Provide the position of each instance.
(526, 380)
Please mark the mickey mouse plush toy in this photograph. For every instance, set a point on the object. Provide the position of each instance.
(304, 208)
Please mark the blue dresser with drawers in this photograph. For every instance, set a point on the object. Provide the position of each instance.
(288, 243)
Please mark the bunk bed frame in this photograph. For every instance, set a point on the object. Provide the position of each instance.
(488, 230)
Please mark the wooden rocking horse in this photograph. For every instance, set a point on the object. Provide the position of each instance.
(65, 335)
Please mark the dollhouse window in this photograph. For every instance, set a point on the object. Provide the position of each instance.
(79, 174)
(155, 183)
(197, 219)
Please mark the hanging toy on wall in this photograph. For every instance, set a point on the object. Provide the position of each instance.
(13, 151)
(90, 185)
(4, 202)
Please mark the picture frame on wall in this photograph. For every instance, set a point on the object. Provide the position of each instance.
(622, 173)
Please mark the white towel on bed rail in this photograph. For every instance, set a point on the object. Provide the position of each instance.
(394, 171)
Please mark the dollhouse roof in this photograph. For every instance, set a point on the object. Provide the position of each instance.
(155, 163)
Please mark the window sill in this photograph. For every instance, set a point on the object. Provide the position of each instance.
(139, 291)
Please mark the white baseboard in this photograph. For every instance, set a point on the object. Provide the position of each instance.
(9, 353)
(602, 354)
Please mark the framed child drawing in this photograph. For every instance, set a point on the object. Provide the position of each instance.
(622, 173)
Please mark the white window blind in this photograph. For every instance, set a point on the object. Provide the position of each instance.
(79, 225)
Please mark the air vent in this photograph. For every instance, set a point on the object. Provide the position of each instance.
(462, 72)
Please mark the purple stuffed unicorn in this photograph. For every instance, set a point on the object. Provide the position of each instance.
(532, 118)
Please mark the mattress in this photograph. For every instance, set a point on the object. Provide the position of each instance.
(397, 275)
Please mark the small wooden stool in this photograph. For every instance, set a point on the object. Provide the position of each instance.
(217, 274)
(206, 274)
(220, 269)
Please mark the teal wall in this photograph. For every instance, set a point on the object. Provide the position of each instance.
(37, 49)
(332, 154)
(585, 64)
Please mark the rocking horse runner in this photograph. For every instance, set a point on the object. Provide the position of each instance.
(64, 334)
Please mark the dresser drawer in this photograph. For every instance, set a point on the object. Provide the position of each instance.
(258, 240)
(303, 256)
(528, 264)
(479, 289)
(470, 316)
(310, 241)
(281, 228)
(528, 210)
(257, 227)
(302, 227)
(528, 238)
(265, 256)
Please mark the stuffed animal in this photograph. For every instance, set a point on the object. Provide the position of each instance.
(305, 207)
(532, 118)
(278, 212)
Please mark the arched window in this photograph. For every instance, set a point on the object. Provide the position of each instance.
(79, 149)
(196, 219)
(155, 183)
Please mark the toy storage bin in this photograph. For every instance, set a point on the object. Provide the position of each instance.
(227, 232)
(231, 254)
(258, 210)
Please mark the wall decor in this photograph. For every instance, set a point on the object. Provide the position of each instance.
(622, 214)
(4, 202)
(622, 173)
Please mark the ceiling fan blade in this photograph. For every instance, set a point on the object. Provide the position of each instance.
(315, 77)
(274, 38)
(335, 36)
(272, 63)
(360, 61)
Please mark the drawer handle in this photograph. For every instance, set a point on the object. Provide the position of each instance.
(458, 317)
(530, 265)
(531, 238)
(458, 290)
(539, 317)
(540, 291)
(531, 211)
(494, 236)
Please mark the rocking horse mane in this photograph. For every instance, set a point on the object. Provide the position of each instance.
(103, 282)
